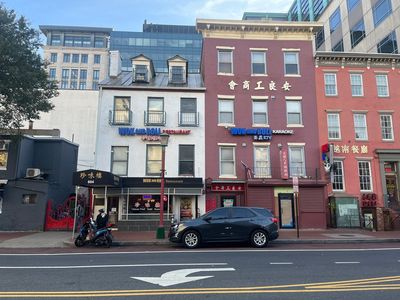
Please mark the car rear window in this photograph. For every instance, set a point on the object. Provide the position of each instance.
(264, 212)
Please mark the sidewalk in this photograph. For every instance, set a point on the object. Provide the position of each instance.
(59, 239)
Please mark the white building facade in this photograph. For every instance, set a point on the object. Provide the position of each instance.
(134, 109)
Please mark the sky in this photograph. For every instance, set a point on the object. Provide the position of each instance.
(129, 15)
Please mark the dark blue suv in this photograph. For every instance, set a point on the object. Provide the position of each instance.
(227, 224)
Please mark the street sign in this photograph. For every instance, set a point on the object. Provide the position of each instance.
(295, 184)
(179, 276)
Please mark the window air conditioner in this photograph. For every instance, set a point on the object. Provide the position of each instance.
(32, 172)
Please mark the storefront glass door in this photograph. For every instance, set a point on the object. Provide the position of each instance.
(286, 211)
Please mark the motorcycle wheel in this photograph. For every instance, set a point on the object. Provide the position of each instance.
(79, 242)
(108, 242)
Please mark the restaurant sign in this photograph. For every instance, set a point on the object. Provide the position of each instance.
(224, 187)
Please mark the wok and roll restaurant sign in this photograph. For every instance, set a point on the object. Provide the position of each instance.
(150, 134)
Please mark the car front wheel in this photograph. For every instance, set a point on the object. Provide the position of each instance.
(191, 239)
(259, 239)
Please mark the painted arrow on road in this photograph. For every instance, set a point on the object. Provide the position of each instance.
(179, 276)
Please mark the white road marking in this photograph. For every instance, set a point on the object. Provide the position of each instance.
(346, 262)
(281, 263)
(111, 266)
(179, 276)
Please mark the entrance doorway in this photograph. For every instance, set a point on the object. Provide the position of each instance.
(112, 209)
(286, 210)
(392, 191)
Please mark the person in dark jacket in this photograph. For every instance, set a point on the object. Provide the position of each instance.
(101, 219)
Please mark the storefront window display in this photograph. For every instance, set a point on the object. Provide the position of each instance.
(146, 204)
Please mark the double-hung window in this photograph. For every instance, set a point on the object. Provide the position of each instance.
(293, 110)
(67, 57)
(188, 115)
(338, 176)
(96, 77)
(291, 61)
(82, 79)
(258, 63)
(225, 111)
(186, 160)
(122, 111)
(84, 58)
(330, 84)
(360, 126)
(262, 167)
(225, 61)
(260, 112)
(296, 161)
(53, 57)
(382, 85)
(177, 74)
(52, 73)
(155, 111)
(153, 161)
(227, 165)
(119, 160)
(364, 174)
(356, 82)
(74, 79)
(75, 58)
(96, 58)
(388, 44)
(333, 126)
(64, 78)
(386, 127)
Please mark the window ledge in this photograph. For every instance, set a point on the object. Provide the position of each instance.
(292, 75)
(295, 125)
(259, 75)
(228, 176)
(225, 74)
(260, 125)
(226, 125)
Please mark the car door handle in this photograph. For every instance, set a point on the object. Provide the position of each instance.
(228, 227)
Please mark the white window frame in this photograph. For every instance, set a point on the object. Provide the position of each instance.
(330, 87)
(357, 86)
(382, 86)
(334, 128)
(360, 128)
(298, 102)
(263, 112)
(232, 111)
(302, 173)
(262, 167)
(233, 161)
(338, 178)
(264, 62)
(296, 53)
(368, 177)
(219, 60)
(386, 130)
(157, 162)
(113, 160)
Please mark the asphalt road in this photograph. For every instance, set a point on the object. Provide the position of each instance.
(208, 273)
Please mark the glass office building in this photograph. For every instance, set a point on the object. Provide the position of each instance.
(159, 42)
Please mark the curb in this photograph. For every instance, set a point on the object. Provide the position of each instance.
(279, 241)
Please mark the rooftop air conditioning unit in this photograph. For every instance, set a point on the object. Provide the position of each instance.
(32, 172)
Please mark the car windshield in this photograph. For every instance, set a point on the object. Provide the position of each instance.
(264, 212)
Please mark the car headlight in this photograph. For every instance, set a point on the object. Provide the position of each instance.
(181, 227)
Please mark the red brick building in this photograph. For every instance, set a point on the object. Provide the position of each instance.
(358, 105)
(261, 119)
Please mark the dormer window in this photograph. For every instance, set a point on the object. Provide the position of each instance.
(141, 73)
(177, 68)
(177, 75)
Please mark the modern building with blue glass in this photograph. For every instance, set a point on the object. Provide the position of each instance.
(349, 25)
(159, 43)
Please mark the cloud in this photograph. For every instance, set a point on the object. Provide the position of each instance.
(230, 9)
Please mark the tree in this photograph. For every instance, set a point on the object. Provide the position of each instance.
(25, 89)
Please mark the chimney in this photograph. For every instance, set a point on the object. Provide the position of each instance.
(115, 63)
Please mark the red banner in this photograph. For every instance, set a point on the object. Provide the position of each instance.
(284, 164)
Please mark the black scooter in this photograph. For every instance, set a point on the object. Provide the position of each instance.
(89, 234)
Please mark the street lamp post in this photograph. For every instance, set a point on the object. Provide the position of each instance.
(164, 143)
